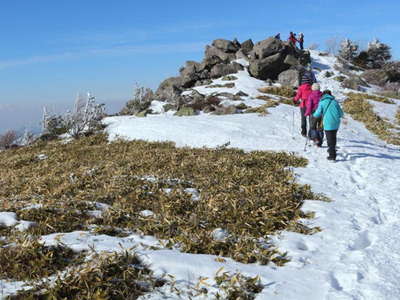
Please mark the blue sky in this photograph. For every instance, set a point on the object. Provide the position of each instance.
(53, 49)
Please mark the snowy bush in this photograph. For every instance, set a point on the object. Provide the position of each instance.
(141, 101)
(375, 57)
(332, 45)
(8, 139)
(378, 54)
(348, 50)
(83, 119)
(27, 138)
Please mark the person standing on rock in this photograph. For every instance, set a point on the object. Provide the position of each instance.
(331, 113)
(292, 39)
(316, 132)
(301, 40)
(303, 92)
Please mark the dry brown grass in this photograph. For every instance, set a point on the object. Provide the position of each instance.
(372, 97)
(262, 109)
(283, 91)
(360, 109)
(398, 116)
(117, 276)
(251, 195)
(29, 260)
(226, 85)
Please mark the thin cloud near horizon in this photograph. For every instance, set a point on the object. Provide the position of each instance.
(112, 51)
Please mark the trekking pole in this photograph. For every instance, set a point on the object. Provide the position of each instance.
(305, 146)
(292, 123)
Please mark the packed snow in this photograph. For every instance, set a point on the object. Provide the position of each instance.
(357, 253)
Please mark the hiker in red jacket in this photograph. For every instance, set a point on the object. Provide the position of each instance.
(301, 97)
(292, 39)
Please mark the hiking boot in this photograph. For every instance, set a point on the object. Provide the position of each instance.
(331, 158)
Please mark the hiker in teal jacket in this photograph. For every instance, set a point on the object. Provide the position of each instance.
(331, 114)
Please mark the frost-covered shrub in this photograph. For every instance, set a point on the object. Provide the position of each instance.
(375, 57)
(348, 50)
(85, 118)
(141, 101)
(27, 138)
(378, 54)
(7, 139)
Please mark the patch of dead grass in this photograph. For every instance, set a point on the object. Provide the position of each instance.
(250, 195)
(360, 109)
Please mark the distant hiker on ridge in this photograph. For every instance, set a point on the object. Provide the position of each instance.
(278, 36)
(292, 39)
(331, 114)
(301, 40)
(316, 132)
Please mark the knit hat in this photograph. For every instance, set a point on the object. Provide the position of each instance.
(315, 87)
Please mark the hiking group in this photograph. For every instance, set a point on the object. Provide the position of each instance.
(293, 39)
(322, 111)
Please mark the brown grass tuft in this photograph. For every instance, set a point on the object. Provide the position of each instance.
(250, 195)
(360, 109)
(283, 91)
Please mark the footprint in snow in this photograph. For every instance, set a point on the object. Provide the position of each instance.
(362, 242)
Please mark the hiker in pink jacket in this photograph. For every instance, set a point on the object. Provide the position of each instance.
(301, 97)
(316, 132)
(312, 101)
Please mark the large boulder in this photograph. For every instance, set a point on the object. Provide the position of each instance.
(289, 77)
(291, 60)
(267, 48)
(189, 73)
(210, 61)
(267, 68)
(169, 90)
(241, 55)
(247, 46)
(213, 51)
(223, 69)
(226, 45)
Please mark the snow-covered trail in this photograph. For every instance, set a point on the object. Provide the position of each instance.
(356, 256)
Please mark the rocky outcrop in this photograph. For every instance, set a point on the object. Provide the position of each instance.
(289, 77)
(267, 59)
(272, 56)
(247, 46)
(226, 46)
(170, 89)
(220, 70)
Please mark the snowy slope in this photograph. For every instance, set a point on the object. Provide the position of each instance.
(356, 256)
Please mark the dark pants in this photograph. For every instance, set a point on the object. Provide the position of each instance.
(316, 133)
(301, 45)
(331, 139)
(303, 121)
